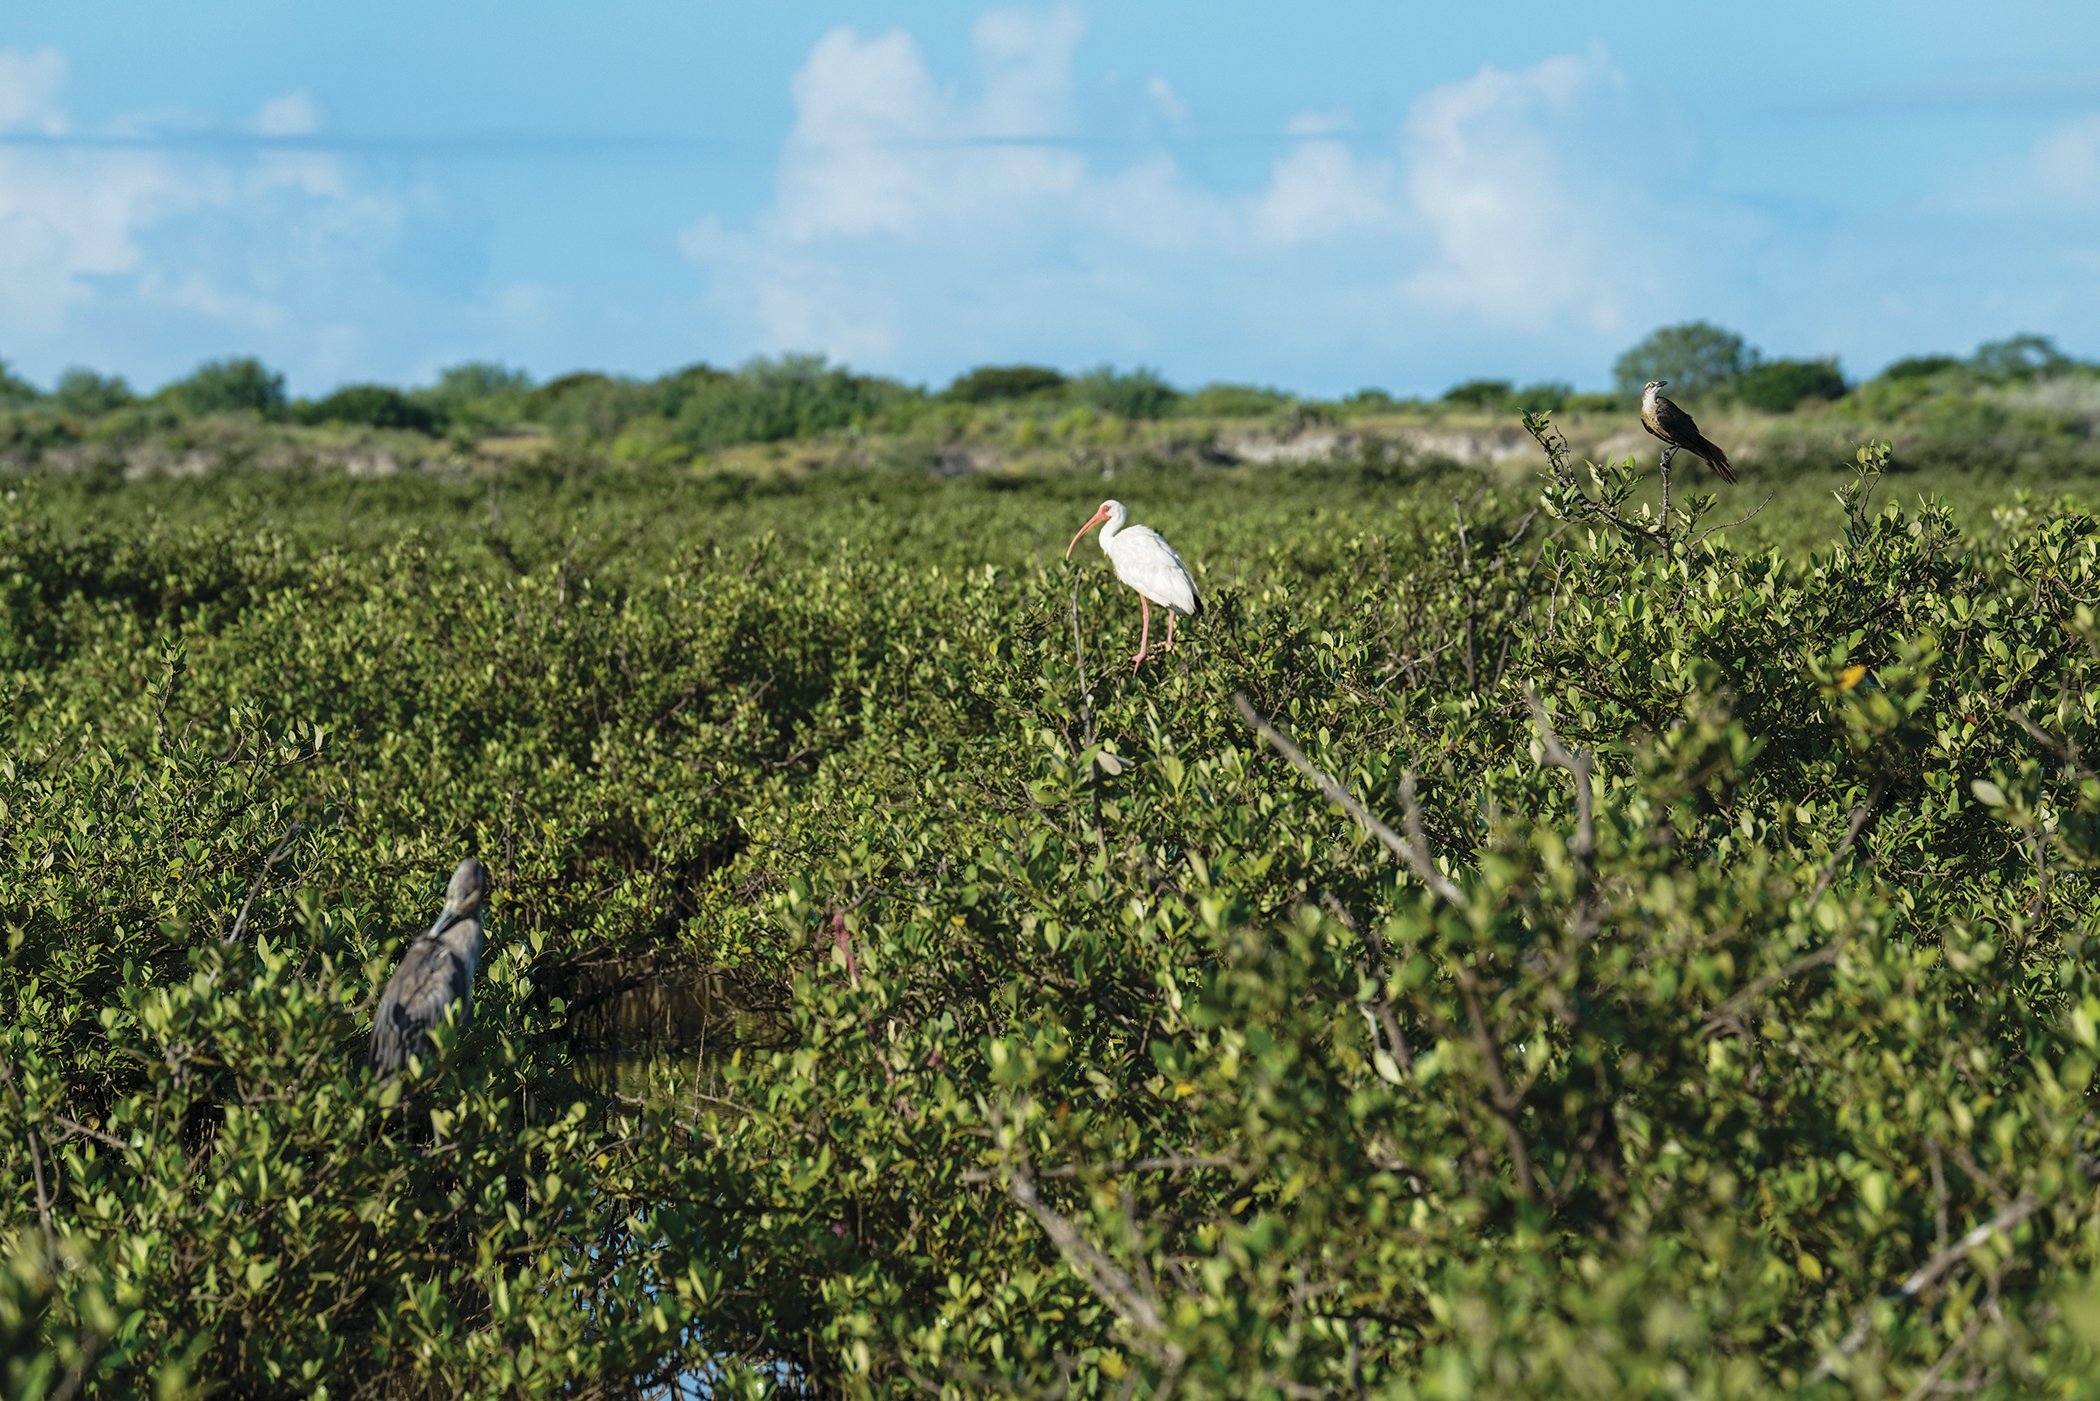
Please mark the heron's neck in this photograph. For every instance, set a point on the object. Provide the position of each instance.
(463, 940)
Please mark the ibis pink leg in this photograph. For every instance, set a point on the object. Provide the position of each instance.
(1171, 616)
(1144, 632)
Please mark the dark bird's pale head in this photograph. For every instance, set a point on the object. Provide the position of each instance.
(1652, 385)
(465, 895)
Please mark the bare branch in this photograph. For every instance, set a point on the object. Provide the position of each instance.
(1100, 1274)
(1743, 519)
(36, 1158)
(1927, 1275)
(1414, 855)
(72, 1127)
(1581, 766)
(1829, 952)
(1166, 1162)
(1504, 1103)
(2065, 749)
(1381, 1006)
(277, 852)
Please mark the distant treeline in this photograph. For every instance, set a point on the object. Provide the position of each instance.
(701, 407)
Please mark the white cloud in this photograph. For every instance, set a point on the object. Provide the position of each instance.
(294, 114)
(193, 292)
(1320, 191)
(1335, 123)
(224, 241)
(29, 85)
(906, 209)
(1166, 99)
(918, 222)
(1526, 230)
(2066, 163)
(878, 148)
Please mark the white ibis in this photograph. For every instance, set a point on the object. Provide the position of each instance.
(1148, 564)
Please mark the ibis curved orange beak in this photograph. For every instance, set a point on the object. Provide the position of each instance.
(1099, 516)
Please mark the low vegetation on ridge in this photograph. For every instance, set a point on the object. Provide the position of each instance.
(2017, 404)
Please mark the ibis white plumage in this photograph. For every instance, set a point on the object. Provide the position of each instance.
(1148, 564)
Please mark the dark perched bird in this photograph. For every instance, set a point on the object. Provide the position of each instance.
(1675, 427)
(437, 971)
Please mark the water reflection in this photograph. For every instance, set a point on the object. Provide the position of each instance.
(650, 1033)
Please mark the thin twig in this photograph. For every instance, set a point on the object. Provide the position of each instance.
(71, 1126)
(1581, 767)
(1927, 1275)
(1505, 1103)
(1415, 857)
(1669, 455)
(1167, 1163)
(1743, 519)
(1930, 1382)
(1829, 952)
(1100, 1274)
(2065, 749)
(36, 1158)
(277, 852)
(1381, 1006)
(1939, 1192)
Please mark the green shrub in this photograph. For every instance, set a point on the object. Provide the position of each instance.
(90, 395)
(1696, 357)
(1780, 386)
(1922, 367)
(1237, 401)
(768, 401)
(2019, 357)
(16, 392)
(240, 385)
(373, 406)
(1645, 957)
(478, 393)
(989, 382)
(585, 405)
(1139, 393)
(1481, 394)
(1543, 397)
(1370, 400)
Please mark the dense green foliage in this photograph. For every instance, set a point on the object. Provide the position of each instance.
(84, 392)
(14, 390)
(373, 406)
(1697, 358)
(2017, 403)
(988, 382)
(1728, 958)
(1500, 394)
(240, 385)
(1779, 386)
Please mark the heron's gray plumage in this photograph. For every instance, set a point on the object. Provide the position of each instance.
(435, 973)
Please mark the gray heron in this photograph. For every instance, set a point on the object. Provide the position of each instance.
(436, 972)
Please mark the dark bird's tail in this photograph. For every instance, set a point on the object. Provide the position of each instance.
(1715, 458)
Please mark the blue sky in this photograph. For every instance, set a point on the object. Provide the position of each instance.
(1321, 198)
